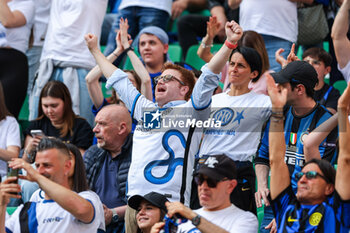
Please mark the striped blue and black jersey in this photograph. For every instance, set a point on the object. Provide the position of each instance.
(333, 215)
(295, 130)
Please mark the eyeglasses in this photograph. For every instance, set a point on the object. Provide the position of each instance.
(310, 175)
(212, 183)
(167, 78)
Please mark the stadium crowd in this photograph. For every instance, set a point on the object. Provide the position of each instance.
(110, 122)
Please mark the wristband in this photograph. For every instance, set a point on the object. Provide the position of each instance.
(206, 46)
(230, 45)
(128, 49)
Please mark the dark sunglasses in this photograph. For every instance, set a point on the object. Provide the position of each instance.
(167, 78)
(310, 175)
(212, 183)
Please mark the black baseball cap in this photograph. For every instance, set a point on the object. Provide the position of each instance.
(218, 167)
(297, 72)
(154, 198)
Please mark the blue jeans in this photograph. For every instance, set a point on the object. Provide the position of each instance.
(138, 18)
(33, 55)
(85, 100)
(268, 216)
(272, 44)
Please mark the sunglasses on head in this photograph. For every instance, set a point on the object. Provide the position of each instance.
(212, 183)
(167, 78)
(310, 175)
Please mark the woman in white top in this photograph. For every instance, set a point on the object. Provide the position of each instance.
(242, 114)
(16, 19)
(10, 140)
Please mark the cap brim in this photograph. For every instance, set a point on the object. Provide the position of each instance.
(279, 78)
(134, 201)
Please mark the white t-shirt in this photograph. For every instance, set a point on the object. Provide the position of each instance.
(270, 17)
(69, 21)
(42, 14)
(164, 5)
(242, 118)
(9, 136)
(48, 216)
(232, 219)
(345, 71)
(18, 37)
(157, 162)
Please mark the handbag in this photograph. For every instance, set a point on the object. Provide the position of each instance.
(312, 25)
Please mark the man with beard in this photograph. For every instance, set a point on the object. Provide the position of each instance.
(107, 163)
(63, 209)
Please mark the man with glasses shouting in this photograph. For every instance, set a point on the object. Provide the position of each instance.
(215, 179)
(322, 201)
(168, 133)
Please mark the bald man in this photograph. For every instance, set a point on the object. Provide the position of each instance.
(107, 163)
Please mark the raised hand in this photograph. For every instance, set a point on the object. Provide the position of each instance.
(91, 42)
(233, 31)
(212, 27)
(32, 174)
(9, 189)
(278, 94)
(124, 36)
(291, 56)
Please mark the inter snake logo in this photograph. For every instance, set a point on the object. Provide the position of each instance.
(171, 162)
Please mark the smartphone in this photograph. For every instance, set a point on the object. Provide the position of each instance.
(37, 132)
(12, 172)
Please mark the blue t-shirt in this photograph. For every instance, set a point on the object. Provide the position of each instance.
(333, 215)
(295, 130)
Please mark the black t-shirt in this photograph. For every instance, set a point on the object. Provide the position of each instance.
(82, 133)
(326, 97)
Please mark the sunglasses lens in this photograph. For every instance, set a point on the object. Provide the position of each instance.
(311, 174)
(198, 180)
(299, 175)
(211, 183)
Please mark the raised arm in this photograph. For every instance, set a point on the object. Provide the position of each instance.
(339, 34)
(233, 32)
(11, 19)
(105, 65)
(291, 56)
(280, 179)
(342, 184)
(140, 69)
(316, 137)
(79, 207)
(94, 75)
(219, 12)
(207, 42)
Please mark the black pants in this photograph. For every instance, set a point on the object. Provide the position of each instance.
(14, 78)
(189, 28)
(243, 196)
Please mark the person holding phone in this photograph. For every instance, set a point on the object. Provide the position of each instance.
(10, 140)
(57, 119)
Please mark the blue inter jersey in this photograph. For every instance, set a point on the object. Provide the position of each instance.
(295, 130)
(333, 215)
